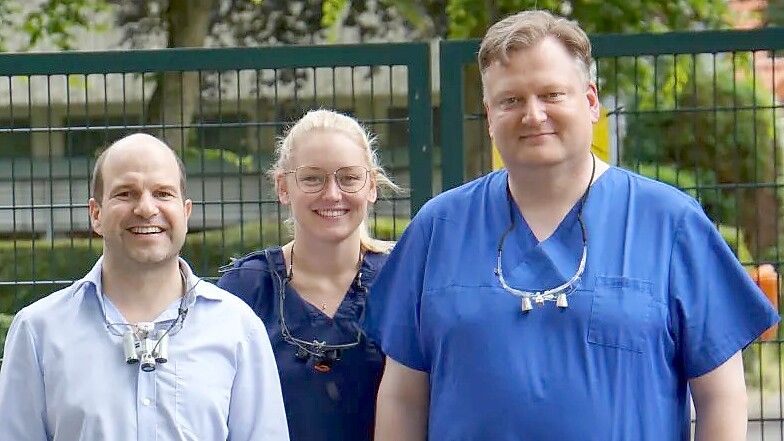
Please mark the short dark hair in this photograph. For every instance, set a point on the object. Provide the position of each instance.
(96, 183)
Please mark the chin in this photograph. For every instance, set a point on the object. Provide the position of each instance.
(154, 258)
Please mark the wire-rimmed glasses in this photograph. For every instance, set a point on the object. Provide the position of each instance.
(350, 179)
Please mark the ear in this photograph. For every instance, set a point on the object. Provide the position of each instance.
(594, 105)
(95, 215)
(489, 119)
(372, 195)
(188, 208)
(281, 187)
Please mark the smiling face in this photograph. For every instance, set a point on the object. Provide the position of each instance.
(540, 109)
(142, 214)
(329, 215)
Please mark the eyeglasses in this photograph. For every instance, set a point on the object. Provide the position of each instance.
(349, 179)
(559, 293)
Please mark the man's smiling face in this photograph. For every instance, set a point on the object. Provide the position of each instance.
(142, 214)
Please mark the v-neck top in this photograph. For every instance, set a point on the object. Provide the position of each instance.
(662, 300)
(334, 405)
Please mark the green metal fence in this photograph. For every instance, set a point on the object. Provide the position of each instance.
(222, 110)
(696, 110)
(693, 109)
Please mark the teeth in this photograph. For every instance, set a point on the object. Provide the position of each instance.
(331, 213)
(146, 230)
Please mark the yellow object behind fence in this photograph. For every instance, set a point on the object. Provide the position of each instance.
(600, 146)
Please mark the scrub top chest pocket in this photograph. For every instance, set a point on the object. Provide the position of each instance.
(623, 313)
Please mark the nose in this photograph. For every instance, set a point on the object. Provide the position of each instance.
(534, 113)
(331, 190)
(146, 207)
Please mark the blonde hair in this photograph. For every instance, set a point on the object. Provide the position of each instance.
(526, 29)
(330, 120)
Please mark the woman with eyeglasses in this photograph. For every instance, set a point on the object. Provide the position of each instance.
(311, 292)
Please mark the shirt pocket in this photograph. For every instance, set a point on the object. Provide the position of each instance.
(621, 313)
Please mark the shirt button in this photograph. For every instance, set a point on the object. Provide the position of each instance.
(146, 401)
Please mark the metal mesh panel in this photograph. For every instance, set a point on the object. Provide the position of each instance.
(221, 110)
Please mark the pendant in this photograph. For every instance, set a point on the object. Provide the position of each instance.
(526, 306)
(539, 299)
(561, 302)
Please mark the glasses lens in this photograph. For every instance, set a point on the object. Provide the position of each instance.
(310, 179)
(351, 179)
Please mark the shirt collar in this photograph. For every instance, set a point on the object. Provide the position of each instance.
(195, 287)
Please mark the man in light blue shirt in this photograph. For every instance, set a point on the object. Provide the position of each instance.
(140, 348)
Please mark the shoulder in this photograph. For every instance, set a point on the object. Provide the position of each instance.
(458, 204)
(372, 265)
(251, 269)
(226, 307)
(54, 307)
(657, 198)
(261, 259)
(476, 191)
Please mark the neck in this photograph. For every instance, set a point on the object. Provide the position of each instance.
(323, 259)
(141, 294)
(553, 188)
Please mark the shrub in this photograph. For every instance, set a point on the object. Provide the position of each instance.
(5, 323)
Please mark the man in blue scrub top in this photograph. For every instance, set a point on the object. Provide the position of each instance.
(140, 348)
(560, 299)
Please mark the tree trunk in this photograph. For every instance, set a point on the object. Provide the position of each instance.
(176, 94)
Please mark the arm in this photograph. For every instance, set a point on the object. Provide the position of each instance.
(403, 404)
(256, 406)
(22, 402)
(720, 401)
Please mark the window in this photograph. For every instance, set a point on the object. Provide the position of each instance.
(15, 138)
(84, 136)
(224, 131)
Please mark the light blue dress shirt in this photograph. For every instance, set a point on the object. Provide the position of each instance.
(64, 376)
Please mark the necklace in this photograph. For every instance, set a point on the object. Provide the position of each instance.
(323, 304)
(324, 354)
(559, 293)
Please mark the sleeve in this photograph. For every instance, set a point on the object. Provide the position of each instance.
(22, 400)
(393, 311)
(718, 310)
(256, 407)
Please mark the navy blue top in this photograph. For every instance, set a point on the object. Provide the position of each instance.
(662, 300)
(335, 405)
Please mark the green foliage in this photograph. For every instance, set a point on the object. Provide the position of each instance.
(470, 18)
(195, 155)
(332, 17)
(774, 14)
(708, 113)
(5, 323)
(52, 20)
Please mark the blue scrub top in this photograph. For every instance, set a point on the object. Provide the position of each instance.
(662, 300)
(335, 405)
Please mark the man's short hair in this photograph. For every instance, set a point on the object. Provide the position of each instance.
(526, 29)
(96, 183)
